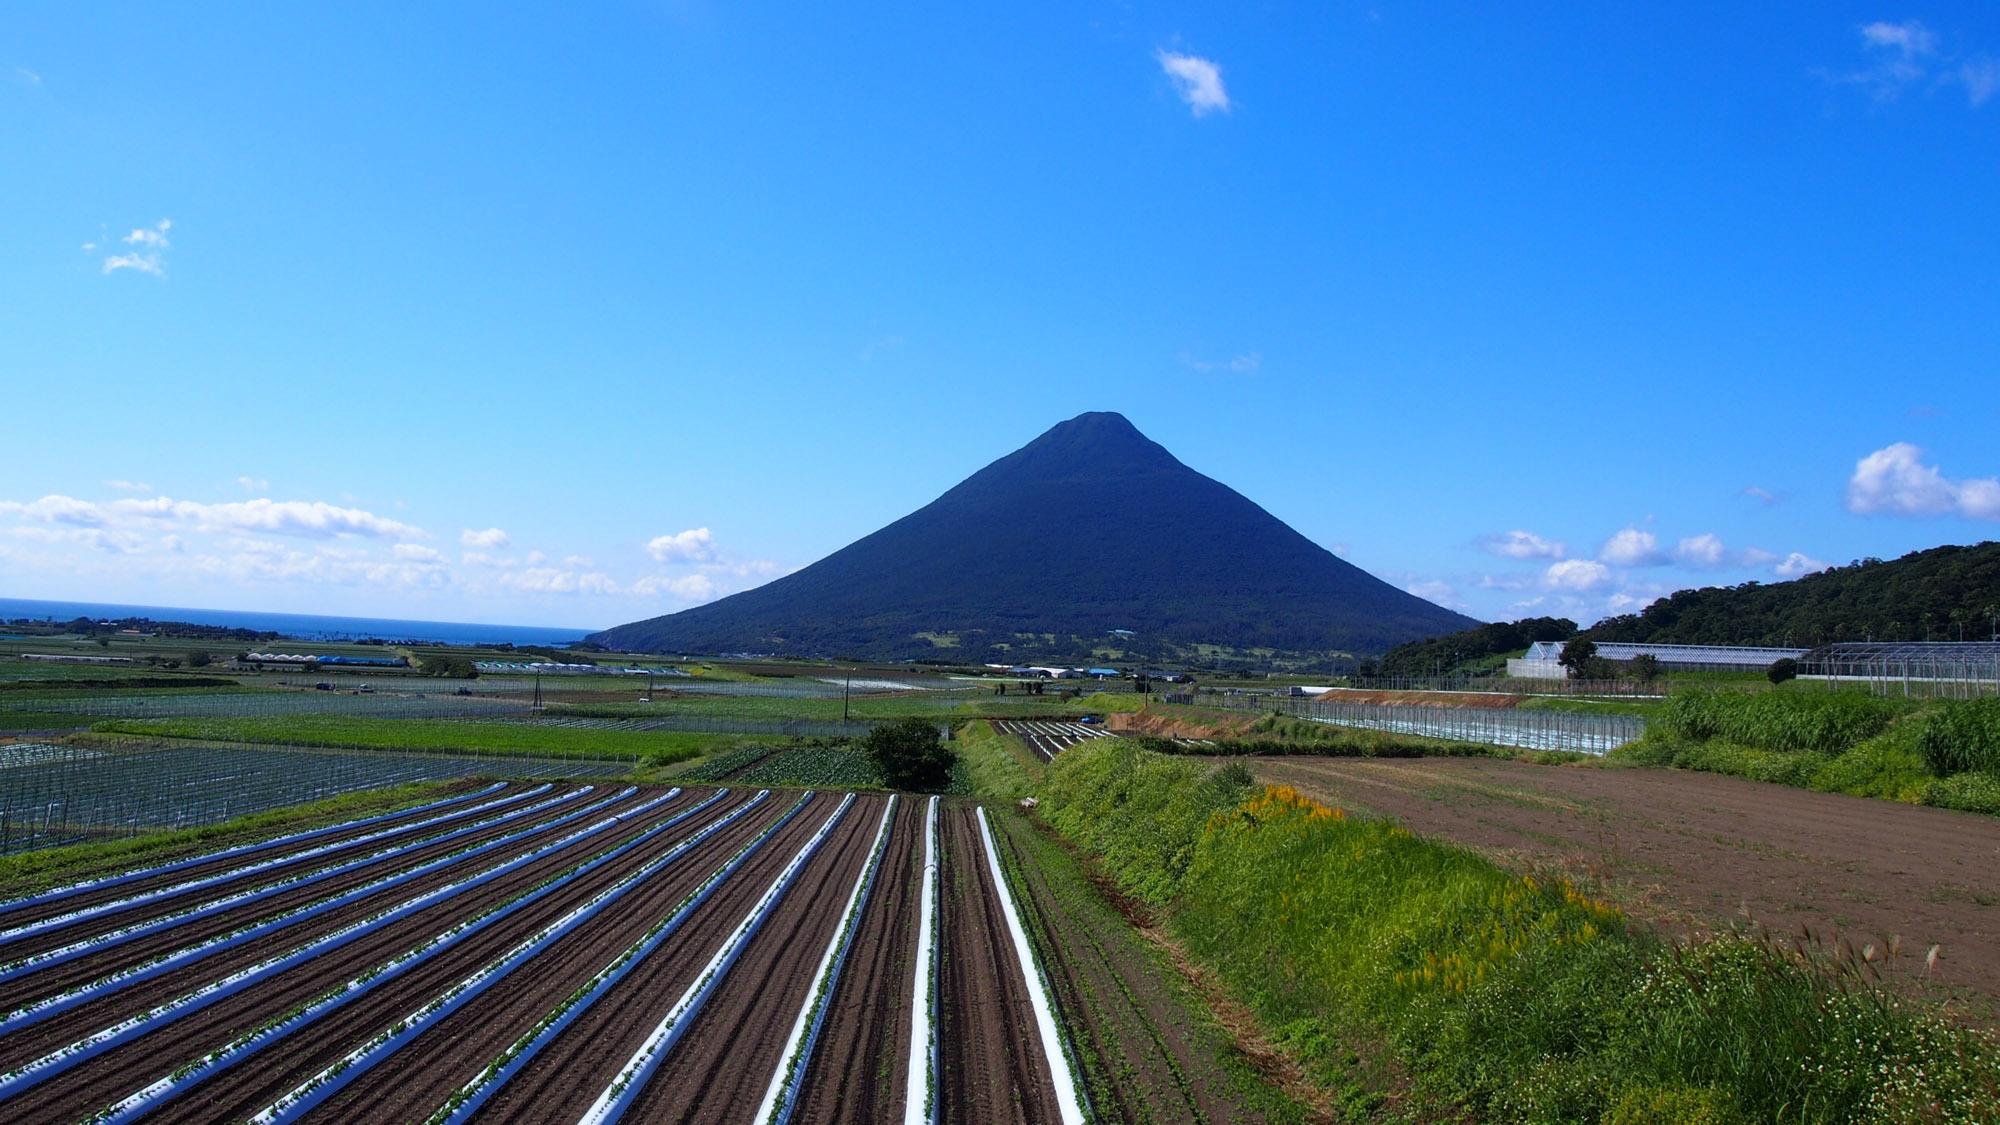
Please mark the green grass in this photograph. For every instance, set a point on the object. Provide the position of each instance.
(717, 766)
(27, 873)
(819, 767)
(651, 748)
(877, 709)
(1520, 1000)
(998, 767)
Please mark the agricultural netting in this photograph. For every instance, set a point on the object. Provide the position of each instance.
(256, 704)
(54, 794)
(1571, 731)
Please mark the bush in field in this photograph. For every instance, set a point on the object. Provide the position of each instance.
(449, 667)
(909, 755)
(1963, 737)
(1782, 669)
(198, 659)
(1967, 792)
(1826, 722)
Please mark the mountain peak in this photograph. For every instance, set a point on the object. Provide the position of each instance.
(1089, 528)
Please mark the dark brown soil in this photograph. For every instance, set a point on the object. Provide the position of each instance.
(1699, 851)
(127, 1068)
(991, 1064)
(722, 1070)
(568, 1076)
(858, 1073)
(90, 967)
(1144, 1061)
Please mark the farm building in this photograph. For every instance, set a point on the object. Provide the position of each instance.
(1973, 666)
(1544, 658)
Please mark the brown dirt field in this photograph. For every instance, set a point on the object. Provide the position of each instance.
(414, 1081)
(81, 970)
(563, 1082)
(725, 1064)
(121, 1071)
(1192, 724)
(858, 1070)
(1699, 851)
(67, 1027)
(21, 915)
(1119, 1010)
(991, 1064)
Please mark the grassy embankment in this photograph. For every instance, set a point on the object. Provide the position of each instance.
(26, 873)
(1934, 752)
(1414, 979)
(652, 749)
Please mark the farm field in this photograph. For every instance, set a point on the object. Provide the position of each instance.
(1048, 737)
(1697, 850)
(563, 952)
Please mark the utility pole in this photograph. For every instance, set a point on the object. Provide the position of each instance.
(845, 694)
(538, 691)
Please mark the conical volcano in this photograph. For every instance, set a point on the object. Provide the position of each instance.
(1090, 539)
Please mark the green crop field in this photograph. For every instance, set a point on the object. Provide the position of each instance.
(650, 748)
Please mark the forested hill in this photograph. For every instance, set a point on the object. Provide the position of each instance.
(1091, 542)
(1925, 595)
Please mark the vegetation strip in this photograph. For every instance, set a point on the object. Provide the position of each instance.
(474, 1094)
(783, 1095)
(920, 1105)
(130, 901)
(38, 961)
(1069, 1099)
(48, 1066)
(239, 850)
(625, 1089)
(302, 1098)
(43, 1009)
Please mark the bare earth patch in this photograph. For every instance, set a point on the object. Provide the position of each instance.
(1693, 851)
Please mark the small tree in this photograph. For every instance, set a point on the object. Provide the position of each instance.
(1782, 669)
(1577, 656)
(198, 659)
(909, 755)
(1645, 667)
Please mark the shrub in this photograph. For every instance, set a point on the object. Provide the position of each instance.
(1827, 722)
(1782, 669)
(908, 754)
(1646, 1104)
(1964, 735)
(1968, 792)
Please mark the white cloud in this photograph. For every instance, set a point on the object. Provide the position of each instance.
(1577, 574)
(1908, 53)
(1246, 364)
(1505, 581)
(693, 545)
(254, 484)
(691, 588)
(27, 77)
(491, 539)
(128, 486)
(148, 245)
(310, 519)
(1197, 80)
(1702, 552)
(1894, 480)
(1523, 545)
(1910, 40)
(1796, 564)
(1632, 547)
(63, 509)
(417, 552)
(1761, 495)
(1440, 593)
(1981, 78)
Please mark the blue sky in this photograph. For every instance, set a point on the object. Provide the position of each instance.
(576, 314)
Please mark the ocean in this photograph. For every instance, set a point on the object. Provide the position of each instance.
(302, 626)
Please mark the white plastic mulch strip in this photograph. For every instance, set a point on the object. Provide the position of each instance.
(301, 1099)
(58, 1061)
(240, 849)
(143, 897)
(631, 1081)
(475, 1093)
(786, 1082)
(187, 955)
(97, 942)
(920, 1100)
(1069, 1103)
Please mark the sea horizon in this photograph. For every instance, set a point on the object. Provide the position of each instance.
(298, 626)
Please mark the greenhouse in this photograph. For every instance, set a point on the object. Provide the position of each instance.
(1952, 668)
(1544, 658)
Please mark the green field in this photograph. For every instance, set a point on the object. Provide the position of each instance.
(651, 748)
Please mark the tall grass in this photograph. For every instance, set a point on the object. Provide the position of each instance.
(1520, 999)
(1782, 721)
(1963, 736)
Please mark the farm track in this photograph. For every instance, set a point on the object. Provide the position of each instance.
(55, 978)
(719, 1073)
(856, 1077)
(568, 1077)
(992, 1069)
(410, 1084)
(11, 915)
(124, 1069)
